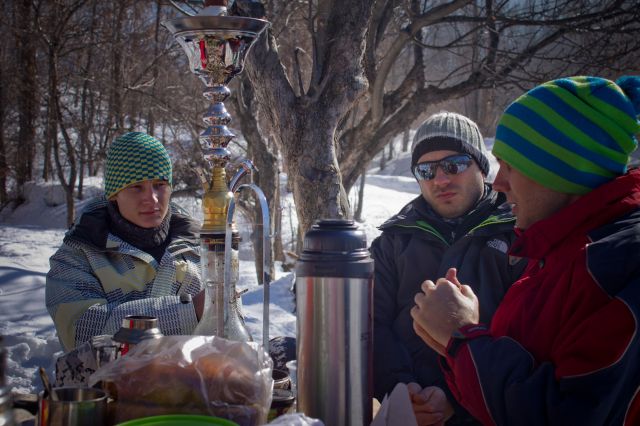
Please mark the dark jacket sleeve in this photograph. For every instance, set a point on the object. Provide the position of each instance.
(392, 362)
(517, 390)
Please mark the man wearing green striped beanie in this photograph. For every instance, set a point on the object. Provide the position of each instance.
(563, 346)
(570, 135)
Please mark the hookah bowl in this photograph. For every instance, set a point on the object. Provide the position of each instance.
(216, 46)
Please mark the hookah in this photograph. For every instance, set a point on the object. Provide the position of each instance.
(216, 45)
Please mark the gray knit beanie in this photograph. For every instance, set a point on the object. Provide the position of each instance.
(450, 131)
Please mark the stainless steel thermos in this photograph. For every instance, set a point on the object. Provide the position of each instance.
(334, 295)
(135, 329)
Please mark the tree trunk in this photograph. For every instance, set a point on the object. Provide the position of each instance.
(87, 108)
(54, 122)
(51, 134)
(117, 59)
(151, 118)
(306, 126)
(406, 140)
(27, 103)
(317, 183)
(358, 214)
(383, 160)
(69, 184)
(83, 137)
(3, 108)
(278, 245)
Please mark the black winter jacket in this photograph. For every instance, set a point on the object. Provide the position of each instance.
(416, 245)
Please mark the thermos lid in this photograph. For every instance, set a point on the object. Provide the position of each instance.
(136, 328)
(335, 248)
(141, 322)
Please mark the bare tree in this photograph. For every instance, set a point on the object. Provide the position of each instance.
(54, 29)
(352, 49)
(519, 45)
(106, 68)
(4, 167)
(305, 124)
(26, 96)
(87, 102)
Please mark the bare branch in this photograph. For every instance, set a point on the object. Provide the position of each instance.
(398, 45)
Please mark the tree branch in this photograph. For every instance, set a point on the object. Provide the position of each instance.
(398, 45)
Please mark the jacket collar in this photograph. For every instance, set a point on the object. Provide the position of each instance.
(92, 226)
(491, 202)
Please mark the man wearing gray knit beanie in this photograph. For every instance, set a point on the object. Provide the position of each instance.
(457, 221)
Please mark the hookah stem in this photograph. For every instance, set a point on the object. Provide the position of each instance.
(219, 303)
(219, 306)
(227, 287)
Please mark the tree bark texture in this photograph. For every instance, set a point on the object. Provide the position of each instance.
(305, 126)
(27, 97)
(3, 153)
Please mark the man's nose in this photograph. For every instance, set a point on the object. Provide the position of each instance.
(500, 182)
(150, 193)
(441, 178)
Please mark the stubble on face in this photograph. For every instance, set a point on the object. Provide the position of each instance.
(530, 202)
(452, 196)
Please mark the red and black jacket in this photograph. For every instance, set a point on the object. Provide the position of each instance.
(563, 347)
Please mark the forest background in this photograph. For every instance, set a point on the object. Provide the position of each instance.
(330, 87)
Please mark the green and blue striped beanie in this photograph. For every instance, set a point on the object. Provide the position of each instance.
(572, 134)
(134, 157)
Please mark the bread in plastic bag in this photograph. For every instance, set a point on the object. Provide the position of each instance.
(192, 375)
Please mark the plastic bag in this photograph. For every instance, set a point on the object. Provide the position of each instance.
(190, 375)
(74, 368)
(295, 419)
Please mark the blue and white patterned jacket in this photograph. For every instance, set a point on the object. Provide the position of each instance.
(96, 279)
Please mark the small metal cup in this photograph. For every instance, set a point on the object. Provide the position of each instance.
(136, 328)
(281, 379)
(73, 406)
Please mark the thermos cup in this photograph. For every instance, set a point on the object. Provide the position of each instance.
(334, 295)
(72, 406)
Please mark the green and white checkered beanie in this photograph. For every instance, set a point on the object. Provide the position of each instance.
(572, 134)
(134, 157)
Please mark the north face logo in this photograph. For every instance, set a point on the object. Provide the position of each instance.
(499, 245)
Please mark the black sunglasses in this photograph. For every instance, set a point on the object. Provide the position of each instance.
(451, 165)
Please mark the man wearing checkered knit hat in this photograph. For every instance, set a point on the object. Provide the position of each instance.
(130, 252)
(564, 345)
(458, 221)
